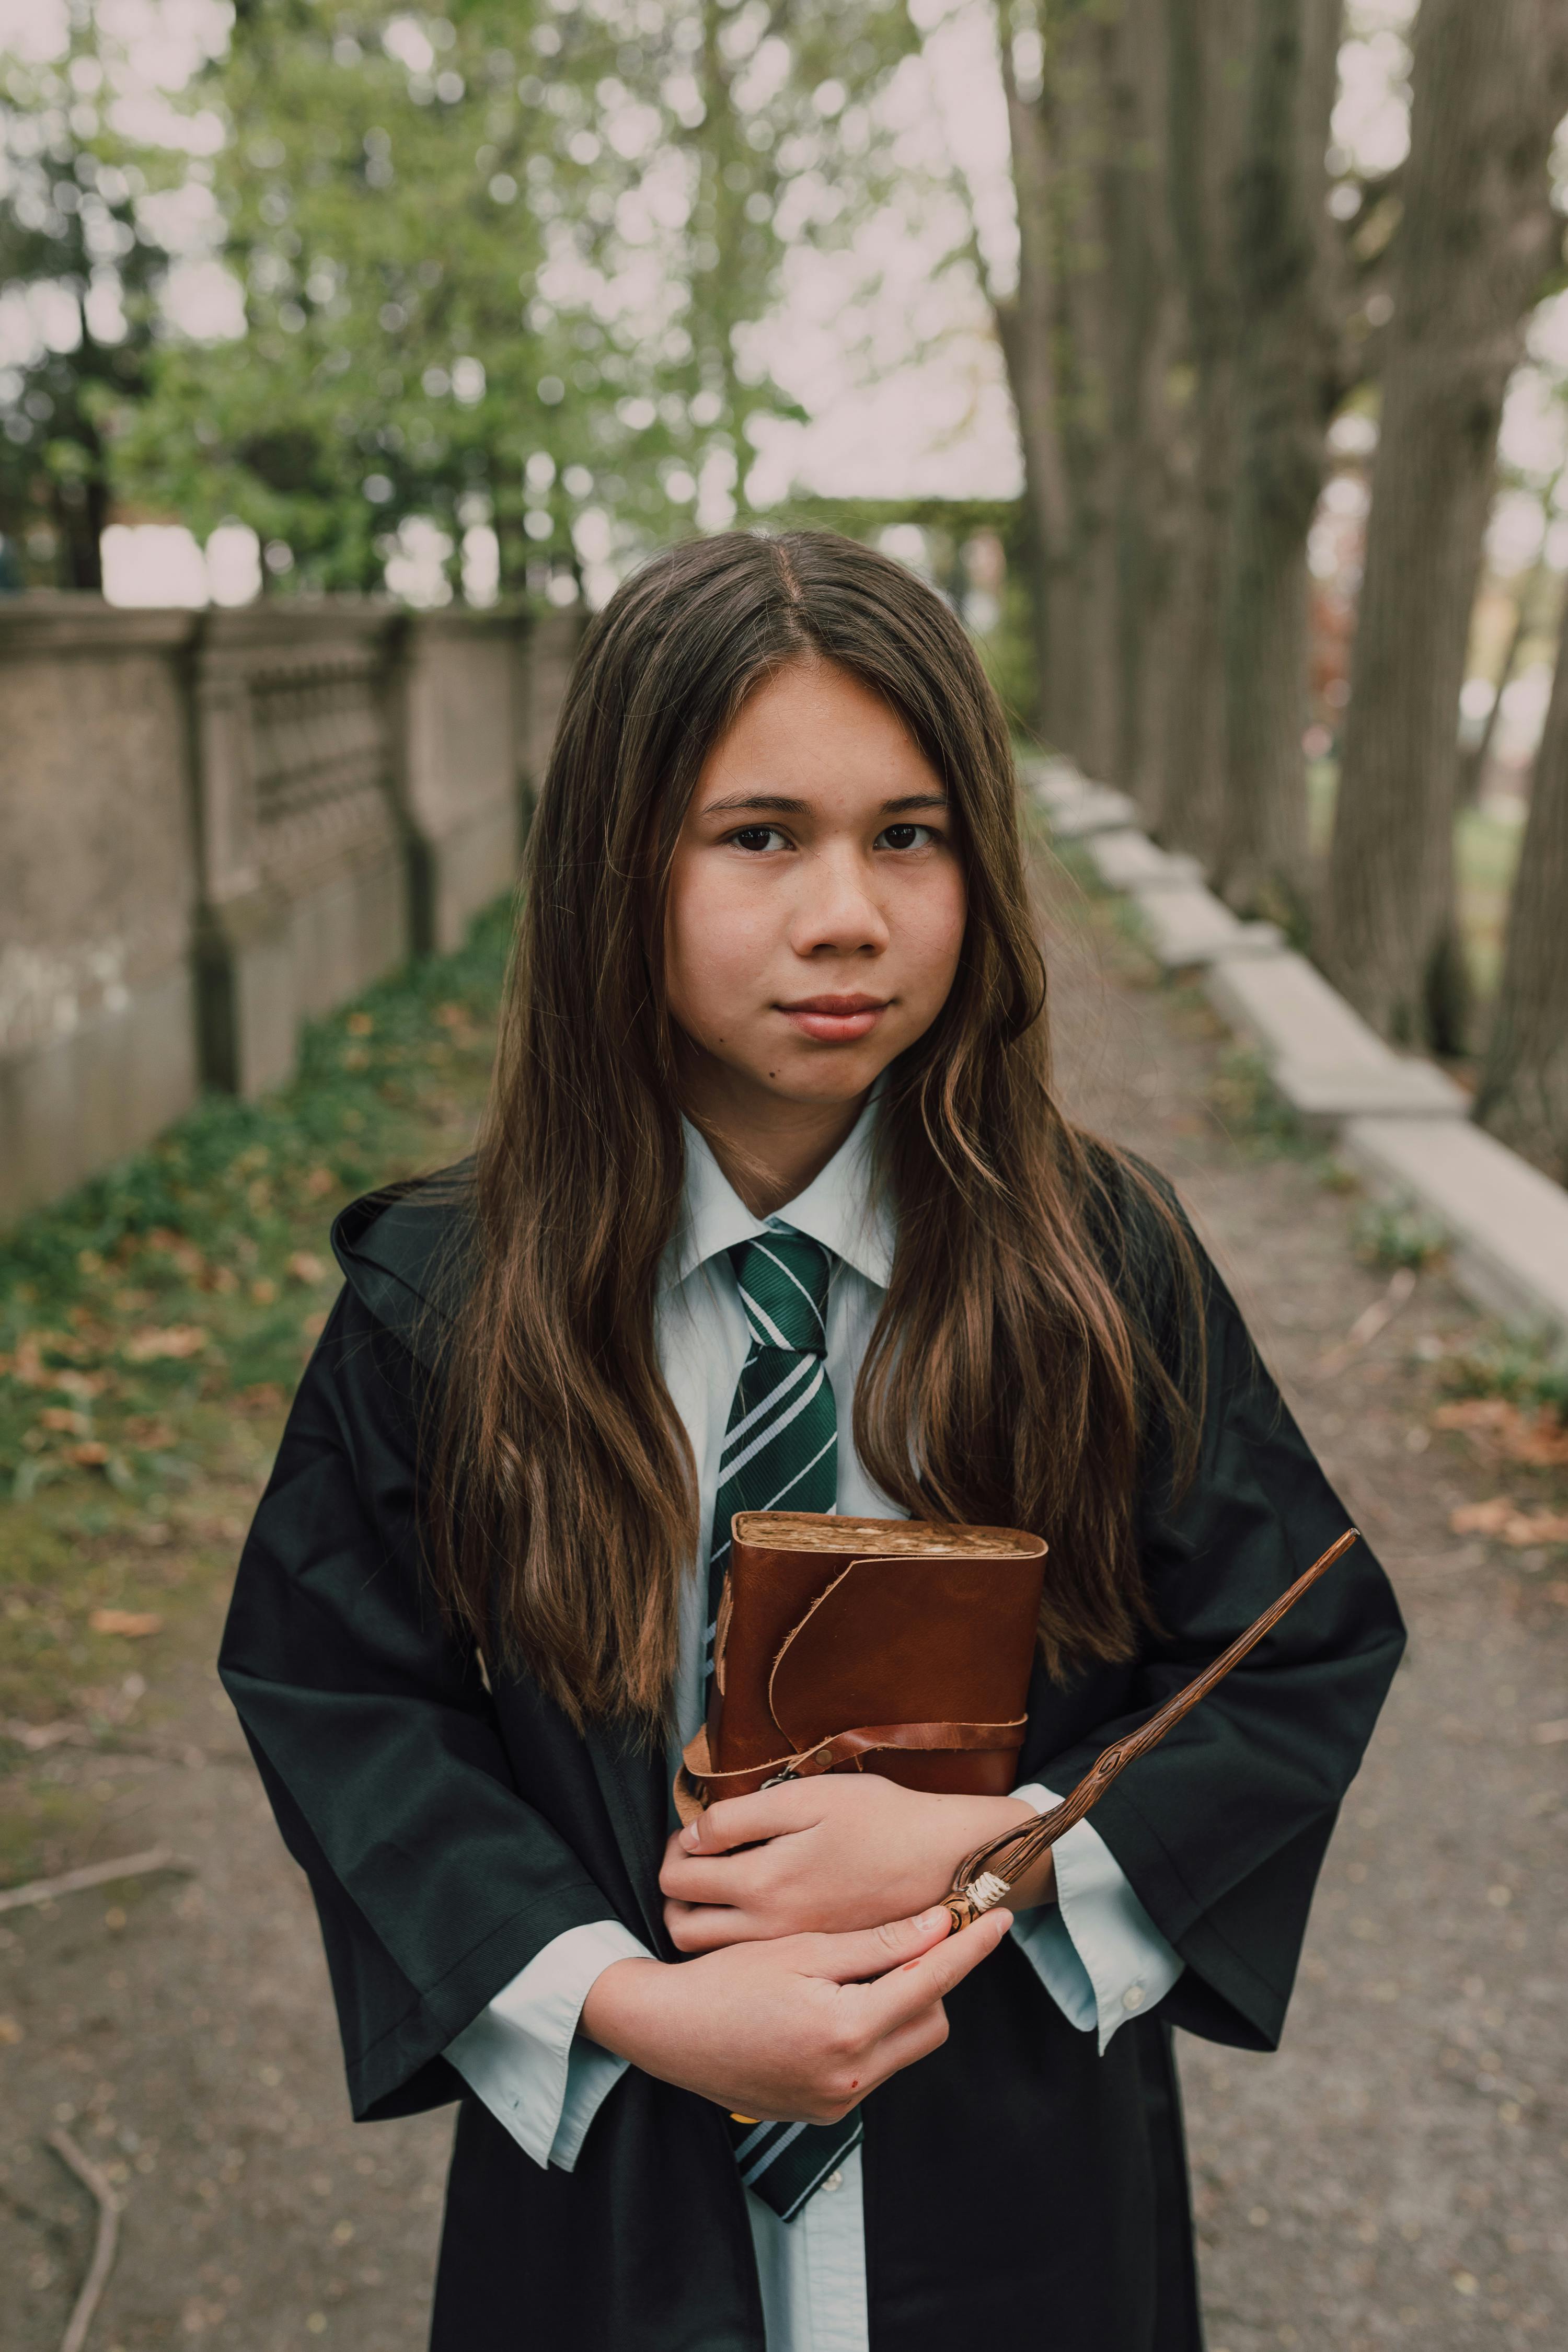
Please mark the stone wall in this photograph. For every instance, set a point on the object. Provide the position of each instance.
(215, 825)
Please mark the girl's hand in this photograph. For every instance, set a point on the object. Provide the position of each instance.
(829, 1855)
(795, 2031)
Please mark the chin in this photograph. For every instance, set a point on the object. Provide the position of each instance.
(832, 1076)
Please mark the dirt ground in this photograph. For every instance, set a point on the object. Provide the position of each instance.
(1395, 2176)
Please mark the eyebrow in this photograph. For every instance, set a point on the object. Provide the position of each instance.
(784, 805)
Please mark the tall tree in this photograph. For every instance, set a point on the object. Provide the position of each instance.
(1028, 329)
(1087, 338)
(1287, 385)
(1476, 237)
(1523, 1093)
(1206, 81)
(1148, 428)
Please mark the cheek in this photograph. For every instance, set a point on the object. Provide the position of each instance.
(712, 940)
(935, 935)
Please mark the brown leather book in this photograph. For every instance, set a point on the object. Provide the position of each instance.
(904, 1647)
(898, 1646)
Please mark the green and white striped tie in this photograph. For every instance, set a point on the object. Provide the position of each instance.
(781, 1453)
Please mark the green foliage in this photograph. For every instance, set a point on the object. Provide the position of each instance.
(204, 1224)
(1394, 1234)
(500, 264)
(152, 1325)
(1249, 1107)
(1523, 1366)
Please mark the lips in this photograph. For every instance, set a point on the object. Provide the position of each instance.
(835, 1020)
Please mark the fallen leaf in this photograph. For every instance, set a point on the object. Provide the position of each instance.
(185, 1253)
(149, 1435)
(1487, 1519)
(356, 1058)
(263, 1291)
(64, 1417)
(360, 1025)
(1500, 1428)
(320, 1183)
(263, 1396)
(130, 1623)
(10, 2031)
(306, 1266)
(90, 1457)
(174, 1339)
(1537, 1527)
(1499, 1517)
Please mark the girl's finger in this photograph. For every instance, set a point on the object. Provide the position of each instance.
(913, 1986)
(708, 1926)
(745, 1821)
(871, 1952)
(688, 1878)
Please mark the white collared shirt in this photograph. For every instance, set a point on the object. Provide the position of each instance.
(1095, 1949)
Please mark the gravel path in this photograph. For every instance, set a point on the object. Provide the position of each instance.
(1395, 2176)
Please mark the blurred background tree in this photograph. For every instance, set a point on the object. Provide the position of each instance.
(81, 253)
(498, 266)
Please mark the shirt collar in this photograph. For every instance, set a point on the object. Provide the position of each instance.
(837, 1208)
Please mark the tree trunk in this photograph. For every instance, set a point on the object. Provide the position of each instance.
(1286, 387)
(1475, 240)
(1523, 1093)
(1207, 42)
(1145, 428)
(1027, 327)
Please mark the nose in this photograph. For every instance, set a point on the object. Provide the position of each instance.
(837, 910)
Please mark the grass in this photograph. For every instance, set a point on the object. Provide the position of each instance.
(1253, 1112)
(153, 1324)
(1525, 1369)
(1394, 1234)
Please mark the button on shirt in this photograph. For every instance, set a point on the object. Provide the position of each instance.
(1095, 1949)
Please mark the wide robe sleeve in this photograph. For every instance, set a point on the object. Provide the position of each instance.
(376, 1739)
(1221, 1831)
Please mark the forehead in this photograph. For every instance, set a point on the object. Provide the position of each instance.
(810, 731)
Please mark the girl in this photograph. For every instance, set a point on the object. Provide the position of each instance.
(774, 1205)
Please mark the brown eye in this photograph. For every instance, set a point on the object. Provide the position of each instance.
(904, 836)
(756, 837)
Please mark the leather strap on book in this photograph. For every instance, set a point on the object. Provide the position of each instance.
(698, 1785)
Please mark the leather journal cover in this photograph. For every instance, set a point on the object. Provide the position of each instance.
(898, 1646)
(904, 1647)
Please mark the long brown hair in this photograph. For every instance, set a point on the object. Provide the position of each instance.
(1011, 1377)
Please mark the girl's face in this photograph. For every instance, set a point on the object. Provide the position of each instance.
(816, 904)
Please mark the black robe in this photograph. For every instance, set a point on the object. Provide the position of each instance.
(1017, 2184)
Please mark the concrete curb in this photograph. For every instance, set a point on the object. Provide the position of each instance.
(1400, 1120)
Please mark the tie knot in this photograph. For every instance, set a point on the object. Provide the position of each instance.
(783, 1277)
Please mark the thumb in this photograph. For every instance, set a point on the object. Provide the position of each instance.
(872, 1951)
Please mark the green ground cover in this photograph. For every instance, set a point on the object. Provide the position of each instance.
(152, 1325)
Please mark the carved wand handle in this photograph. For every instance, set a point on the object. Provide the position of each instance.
(987, 1876)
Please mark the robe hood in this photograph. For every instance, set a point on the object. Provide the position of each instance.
(407, 1252)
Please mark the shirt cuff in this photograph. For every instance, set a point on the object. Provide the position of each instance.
(523, 2056)
(1095, 1950)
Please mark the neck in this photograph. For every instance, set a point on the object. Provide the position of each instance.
(769, 1148)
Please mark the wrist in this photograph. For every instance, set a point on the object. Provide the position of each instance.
(619, 1999)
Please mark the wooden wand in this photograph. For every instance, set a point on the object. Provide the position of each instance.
(988, 1876)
